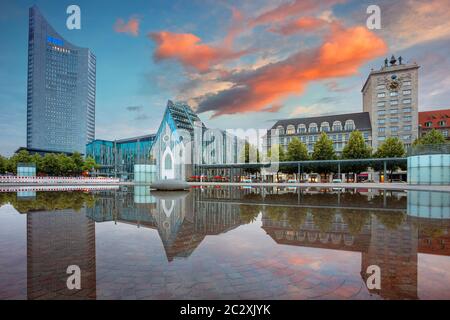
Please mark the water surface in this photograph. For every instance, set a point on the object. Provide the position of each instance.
(225, 243)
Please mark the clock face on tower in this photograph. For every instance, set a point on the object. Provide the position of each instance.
(394, 83)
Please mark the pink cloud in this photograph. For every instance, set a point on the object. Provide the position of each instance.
(131, 27)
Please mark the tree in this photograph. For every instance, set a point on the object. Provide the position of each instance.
(431, 137)
(90, 164)
(78, 162)
(297, 151)
(356, 148)
(21, 157)
(277, 151)
(392, 147)
(66, 164)
(3, 164)
(50, 164)
(323, 148)
(248, 154)
(37, 160)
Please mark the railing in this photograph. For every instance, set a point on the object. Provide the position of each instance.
(57, 180)
(423, 149)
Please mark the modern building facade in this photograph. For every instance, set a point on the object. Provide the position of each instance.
(61, 90)
(171, 152)
(308, 130)
(436, 119)
(390, 96)
(118, 157)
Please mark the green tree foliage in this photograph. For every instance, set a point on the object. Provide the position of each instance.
(50, 164)
(3, 164)
(356, 148)
(90, 164)
(248, 154)
(431, 137)
(297, 151)
(392, 147)
(323, 150)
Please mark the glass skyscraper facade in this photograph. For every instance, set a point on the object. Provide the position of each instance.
(60, 90)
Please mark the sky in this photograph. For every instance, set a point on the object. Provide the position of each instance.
(239, 64)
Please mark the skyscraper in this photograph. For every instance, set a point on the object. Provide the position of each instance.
(60, 90)
(390, 95)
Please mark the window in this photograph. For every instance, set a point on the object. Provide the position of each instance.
(406, 92)
(394, 129)
(381, 121)
(381, 95)
(280, 129)
(445, 133)
(407, 118)
(407, 128)
(380, 87)
(393, 111)
(442, 123)
(408, 109)
(381, 113)
(381, 138)
(407, 137)
(313, 127)
(337, 126)
(381, 104)
(407, 83)
(393, 93)
(366, 135)
(290, 129)
(428, 124)
(301, 128)
(325, 127)
(394, 102)
(406, 101)
(381, 129)
(349, 125)
(393, 120)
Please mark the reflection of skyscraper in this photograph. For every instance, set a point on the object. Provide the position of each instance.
(61, 90)
(395, 252)
(56, 240)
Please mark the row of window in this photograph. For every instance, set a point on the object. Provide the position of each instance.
(441, 123)
(393, 111)
(393, 93)
(313, 128)
(394, 129)
(383, 86)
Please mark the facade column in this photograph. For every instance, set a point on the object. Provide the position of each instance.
(384, 171)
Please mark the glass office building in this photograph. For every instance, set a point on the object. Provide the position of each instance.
(60, 90)
(117, 158)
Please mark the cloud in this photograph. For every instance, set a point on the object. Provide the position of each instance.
(188, 49)
(131, 27)
(414, 22)
(135, 108)
(299, 25)
(342, 53)
(295, 8)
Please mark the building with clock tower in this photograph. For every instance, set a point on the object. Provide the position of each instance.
(390, 95)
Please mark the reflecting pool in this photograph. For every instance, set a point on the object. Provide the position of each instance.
(225, 243)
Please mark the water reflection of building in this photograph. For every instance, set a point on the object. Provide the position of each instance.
(379, 229)
(182, 223)
(56, 240)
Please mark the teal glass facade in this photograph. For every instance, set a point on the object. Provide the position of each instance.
(61, 90)
(117, 158)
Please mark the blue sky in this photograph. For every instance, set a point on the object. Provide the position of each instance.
(228, 59)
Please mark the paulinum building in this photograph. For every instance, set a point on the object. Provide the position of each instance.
(60, 90)
(308, 130)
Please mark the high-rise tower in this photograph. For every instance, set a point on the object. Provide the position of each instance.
(390, 95)
(60, 90)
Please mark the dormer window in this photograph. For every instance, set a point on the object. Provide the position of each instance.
(280, 130)
(324, 127)
(313, 127)
(290, 129)
(301, 128)
(349, 125)
(337, 126)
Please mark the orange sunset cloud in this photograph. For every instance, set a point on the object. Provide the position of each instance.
(130, 27)
(343, 52)
(188, 50)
